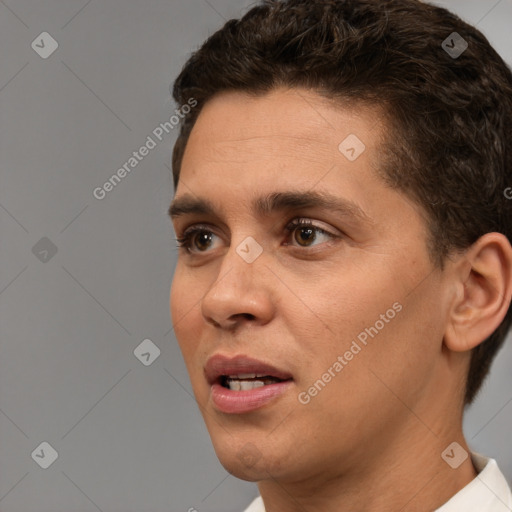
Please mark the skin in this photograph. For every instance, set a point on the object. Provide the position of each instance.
(372, 439)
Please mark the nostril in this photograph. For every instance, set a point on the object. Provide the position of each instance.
(246, 316)
(213, 322)
(232, 322)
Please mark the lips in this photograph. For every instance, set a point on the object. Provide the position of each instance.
(219, 367)
(240, 384)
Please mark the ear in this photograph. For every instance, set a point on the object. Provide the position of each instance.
(483, 290)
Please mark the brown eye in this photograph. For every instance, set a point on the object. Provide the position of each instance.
(305, 235)
(305, 232)
(196, 239)
(203, 239)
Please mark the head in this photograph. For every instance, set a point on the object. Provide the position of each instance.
(360, 100)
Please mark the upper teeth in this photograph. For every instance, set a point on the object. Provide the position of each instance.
(244, 385)
(247, 375)
(247, 381)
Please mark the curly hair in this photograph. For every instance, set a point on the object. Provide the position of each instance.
(449, 143)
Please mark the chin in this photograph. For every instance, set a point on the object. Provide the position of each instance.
(246, 460)
(240, 471)
(241, 459)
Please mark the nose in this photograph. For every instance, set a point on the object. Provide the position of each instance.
(241, 293)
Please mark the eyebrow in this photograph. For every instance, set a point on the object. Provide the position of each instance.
(276, 201)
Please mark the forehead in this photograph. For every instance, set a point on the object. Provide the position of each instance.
(286, 131)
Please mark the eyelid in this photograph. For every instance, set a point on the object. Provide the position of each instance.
(194, 228)
(320, 226)
(294, 223)
(184, 240)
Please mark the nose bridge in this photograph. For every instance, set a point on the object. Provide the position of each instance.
(245, 255)
(240, 287)
(240, 268)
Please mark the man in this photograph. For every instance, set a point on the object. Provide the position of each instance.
(345, 273)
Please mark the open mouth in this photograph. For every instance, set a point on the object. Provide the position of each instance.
(241, 384)
(247, 381)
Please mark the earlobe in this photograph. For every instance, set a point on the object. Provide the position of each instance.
(483, 292)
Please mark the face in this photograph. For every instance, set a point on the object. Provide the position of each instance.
(348, 307)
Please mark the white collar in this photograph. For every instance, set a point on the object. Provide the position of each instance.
(487, 492)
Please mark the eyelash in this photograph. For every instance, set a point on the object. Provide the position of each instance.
(185, 242)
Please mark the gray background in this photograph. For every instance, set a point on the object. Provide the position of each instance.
(129, 437)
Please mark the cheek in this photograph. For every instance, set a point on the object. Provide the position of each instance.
(368, 317)
(185, 312)
(353, 299)
(184, 303)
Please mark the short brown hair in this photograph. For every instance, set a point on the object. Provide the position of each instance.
(450, 142)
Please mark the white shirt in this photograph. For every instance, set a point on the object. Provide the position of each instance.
(487, 492)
